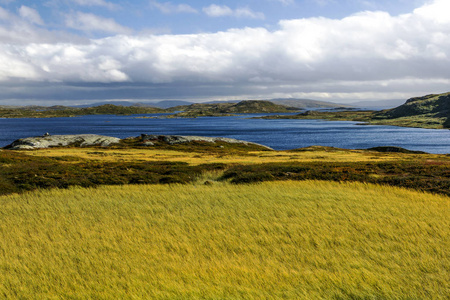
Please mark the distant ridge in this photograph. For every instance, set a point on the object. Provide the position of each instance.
(116, 103)
(382, 104)
(290, 102)
(170, 103)
(307, 103)
(224, 108)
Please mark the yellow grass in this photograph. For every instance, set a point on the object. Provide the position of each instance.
(276, 240)
(196, 158)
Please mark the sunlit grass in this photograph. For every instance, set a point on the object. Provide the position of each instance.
(196, 158)
(276, 240)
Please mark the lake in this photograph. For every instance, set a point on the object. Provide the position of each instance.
(278, 134)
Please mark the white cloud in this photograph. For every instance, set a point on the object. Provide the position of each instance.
(286, 2)
(218, 10)
(245, 12)
(4, 14)
(13, 66)
(222, 10)
(102, 3)
(21, 30)
(30, 15)
(363, 55)
(435, 11)
(93, 23)
(169, 8)
(324, 2)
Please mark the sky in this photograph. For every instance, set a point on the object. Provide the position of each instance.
(83, 51)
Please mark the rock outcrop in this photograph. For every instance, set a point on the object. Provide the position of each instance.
(87, 140)
(47, 141)
(180, 139)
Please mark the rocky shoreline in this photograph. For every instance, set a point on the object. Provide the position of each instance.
(89, 140)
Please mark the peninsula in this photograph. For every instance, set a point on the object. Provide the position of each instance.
(430, 111)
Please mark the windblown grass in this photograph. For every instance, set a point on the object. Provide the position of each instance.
(275, 240)
(322, 154)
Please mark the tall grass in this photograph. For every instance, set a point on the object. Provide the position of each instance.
(275, 240)
(196, 156)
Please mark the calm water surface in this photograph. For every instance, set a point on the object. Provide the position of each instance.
(278, 134)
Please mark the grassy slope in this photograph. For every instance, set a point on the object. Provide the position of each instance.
(283, 240)
(431, 111)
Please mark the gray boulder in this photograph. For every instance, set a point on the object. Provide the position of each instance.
(47, 141)
(180, 139)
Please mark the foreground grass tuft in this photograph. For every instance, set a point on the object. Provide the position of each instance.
(274, 240)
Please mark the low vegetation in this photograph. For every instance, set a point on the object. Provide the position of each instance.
(130, 163)
(276, 240)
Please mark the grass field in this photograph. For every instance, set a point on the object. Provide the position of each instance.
(322, 154)
(22, 171)
(272, 240)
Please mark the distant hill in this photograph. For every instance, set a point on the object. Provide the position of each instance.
(433, 108)
(290, 102)
(257, 106)
(307, 103)
(116, 103)
(223, 101)
(160, 104)
(379, 104)
(63, 111)
(171, 103)
(110, 109)
(242, 107)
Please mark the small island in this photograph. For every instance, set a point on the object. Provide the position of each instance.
(229, 109)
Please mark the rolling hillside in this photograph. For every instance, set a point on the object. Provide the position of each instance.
(431, 111)
(435, 107)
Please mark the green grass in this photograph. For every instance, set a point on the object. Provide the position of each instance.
(275, 240)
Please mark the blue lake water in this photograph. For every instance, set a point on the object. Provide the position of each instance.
(278, 134)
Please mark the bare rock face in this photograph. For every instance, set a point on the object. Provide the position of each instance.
(87, 140)
(47, 141)
(180, 139)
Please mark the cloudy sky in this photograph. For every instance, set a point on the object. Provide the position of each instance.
(80, 51)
